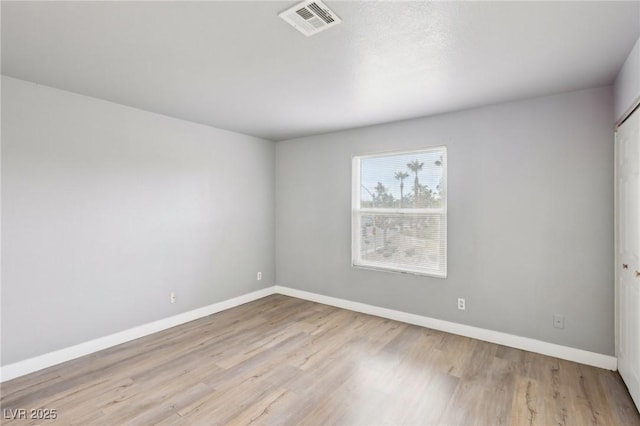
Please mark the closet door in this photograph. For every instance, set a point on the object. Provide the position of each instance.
(628, 281)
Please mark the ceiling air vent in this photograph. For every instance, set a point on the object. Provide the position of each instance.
(310, 17)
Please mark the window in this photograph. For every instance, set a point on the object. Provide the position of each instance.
(400, 211)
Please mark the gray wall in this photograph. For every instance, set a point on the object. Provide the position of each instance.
(107, 209)
(627, 84)
(530, 218)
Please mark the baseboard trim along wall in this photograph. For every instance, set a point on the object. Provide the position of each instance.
(40, 362)
(532, 345)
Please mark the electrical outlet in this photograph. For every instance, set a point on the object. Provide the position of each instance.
(172, 297)
(259, 277)
(461, 304)
(558, 321)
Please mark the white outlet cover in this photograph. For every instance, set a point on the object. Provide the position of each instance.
(558, 321)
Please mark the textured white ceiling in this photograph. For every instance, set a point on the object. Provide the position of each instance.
(238, 66)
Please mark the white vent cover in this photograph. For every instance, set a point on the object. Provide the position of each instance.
(310, 17)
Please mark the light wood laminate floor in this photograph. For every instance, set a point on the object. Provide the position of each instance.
(285, 361)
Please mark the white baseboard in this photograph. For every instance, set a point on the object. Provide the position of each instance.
(518, 342)
(30, 365)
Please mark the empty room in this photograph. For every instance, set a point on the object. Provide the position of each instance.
(320, 212)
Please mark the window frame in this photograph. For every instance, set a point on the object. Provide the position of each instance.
(357, 212)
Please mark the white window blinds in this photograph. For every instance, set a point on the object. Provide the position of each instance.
(400, 211)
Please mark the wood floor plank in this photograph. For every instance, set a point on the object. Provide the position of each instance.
(527, 403)
(285, 361)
